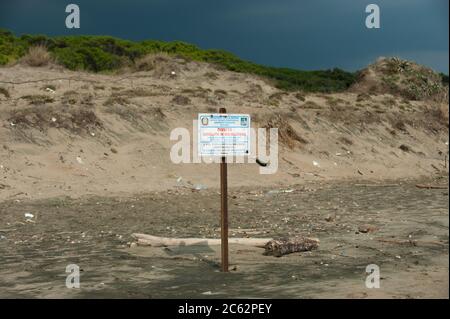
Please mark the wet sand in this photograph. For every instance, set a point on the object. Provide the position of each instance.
(409, 243)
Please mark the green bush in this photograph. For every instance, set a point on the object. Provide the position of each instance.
(444, 78)
(10, 47)
(105, 53)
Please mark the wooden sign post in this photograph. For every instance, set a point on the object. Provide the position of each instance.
(223, 135)
(224, 209)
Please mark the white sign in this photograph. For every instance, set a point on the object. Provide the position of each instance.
(223, 134)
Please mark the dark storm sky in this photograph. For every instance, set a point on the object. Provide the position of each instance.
(304, 34)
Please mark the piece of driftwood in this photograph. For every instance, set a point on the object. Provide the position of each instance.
(280, 247)
(155, 241)
(431, 186)
(273, 247)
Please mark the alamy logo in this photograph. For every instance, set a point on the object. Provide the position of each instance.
(373, 279)
(373, 19)
(73, 279)
(73, 19)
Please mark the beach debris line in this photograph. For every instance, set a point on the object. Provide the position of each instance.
(273, 247)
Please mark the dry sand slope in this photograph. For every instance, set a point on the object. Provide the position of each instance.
(73, 133)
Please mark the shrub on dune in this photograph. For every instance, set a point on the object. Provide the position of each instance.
(37, 56)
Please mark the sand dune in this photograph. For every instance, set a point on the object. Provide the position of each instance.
(75, 133)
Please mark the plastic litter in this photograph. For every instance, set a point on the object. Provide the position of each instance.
(200, 187)
(277, 191)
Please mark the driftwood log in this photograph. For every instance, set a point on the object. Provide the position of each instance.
(280, 247)
(273, 247)
(149, 240)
